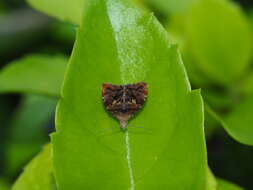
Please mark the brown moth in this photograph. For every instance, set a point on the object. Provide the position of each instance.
(123, 101)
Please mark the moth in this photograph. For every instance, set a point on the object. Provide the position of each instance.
(123, 101)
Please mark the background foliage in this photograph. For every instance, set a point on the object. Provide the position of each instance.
(215, 41)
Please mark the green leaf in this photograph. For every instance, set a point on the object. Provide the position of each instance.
(220, 40)
(211, 181)
(225, 185)
(119, 43)
(38, 174)
(246, 86)
(171, 6)
(219, 99)
(69, 11)
(39, 74)
(212, 120)
(28, 130)
(4, 185)
(196, 76)
(219, 184)
(30, 118)
(17, 156)
(63, 32)
(238, 123)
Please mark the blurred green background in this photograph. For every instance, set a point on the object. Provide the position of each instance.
(217, 52)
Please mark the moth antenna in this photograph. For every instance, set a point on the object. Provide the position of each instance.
(139, 127)
(110, 132)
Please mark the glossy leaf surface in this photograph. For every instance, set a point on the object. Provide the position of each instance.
(120, 44)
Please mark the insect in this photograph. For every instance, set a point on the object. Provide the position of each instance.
(123, 101)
